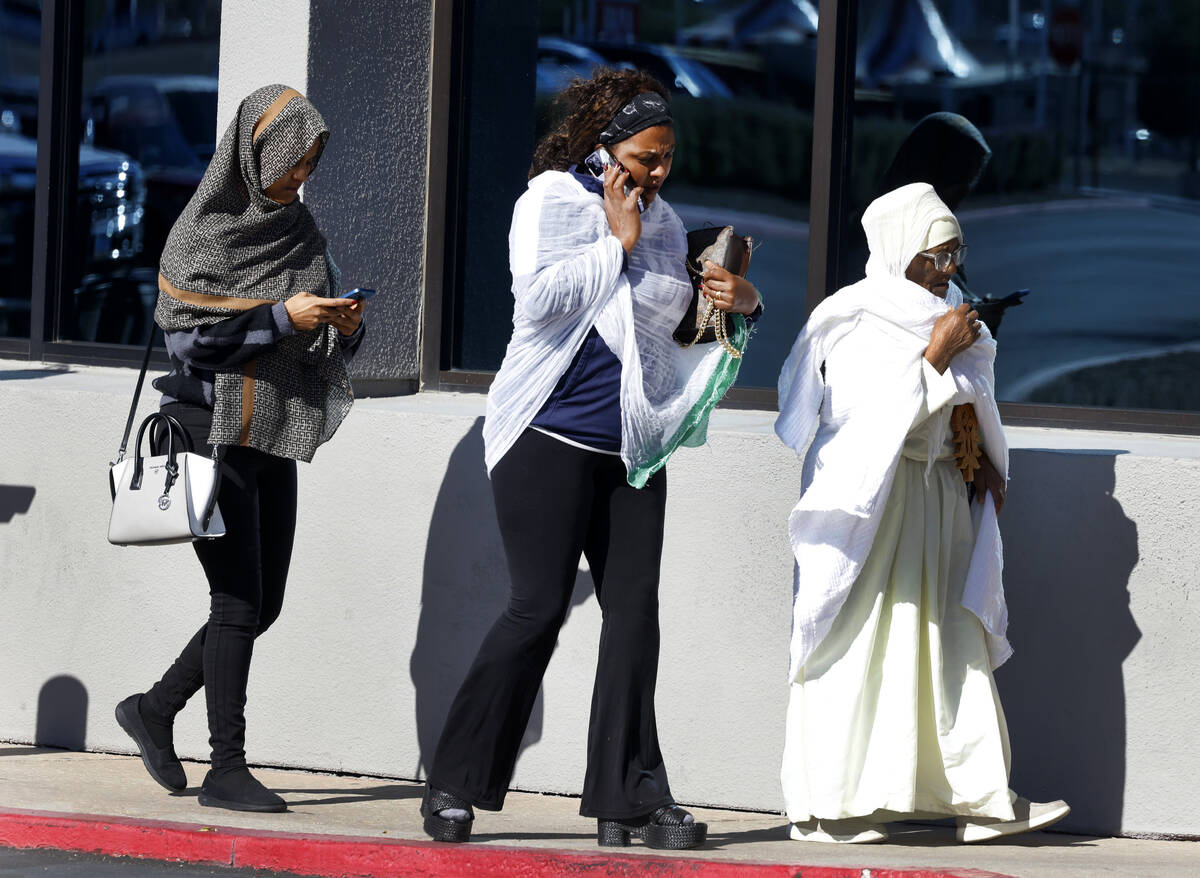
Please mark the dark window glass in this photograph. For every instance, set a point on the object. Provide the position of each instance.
(1090, 198)
(742, 90)
(20, 36)
(149, 102)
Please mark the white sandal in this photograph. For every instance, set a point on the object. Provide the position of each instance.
(1029, 816)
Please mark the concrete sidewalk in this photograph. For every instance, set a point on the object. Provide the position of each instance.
(342, 825)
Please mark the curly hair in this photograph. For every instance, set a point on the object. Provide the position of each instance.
(590, 104)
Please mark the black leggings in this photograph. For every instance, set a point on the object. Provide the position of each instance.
(555, 502)
(247, 571)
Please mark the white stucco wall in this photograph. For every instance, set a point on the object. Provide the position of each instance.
(262, 42)
(398, 572)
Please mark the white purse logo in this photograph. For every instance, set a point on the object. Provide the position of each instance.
(164, 502)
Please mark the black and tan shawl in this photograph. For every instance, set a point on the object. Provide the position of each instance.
(232, 249)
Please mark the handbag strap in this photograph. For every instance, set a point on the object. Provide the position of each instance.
(137, 393)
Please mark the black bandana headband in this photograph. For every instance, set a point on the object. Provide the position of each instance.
(644, 111)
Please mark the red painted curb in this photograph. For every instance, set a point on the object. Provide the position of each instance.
(152, 839)
(342, 856)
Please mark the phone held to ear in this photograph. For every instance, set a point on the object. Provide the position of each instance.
(599, 161)
(359, 294)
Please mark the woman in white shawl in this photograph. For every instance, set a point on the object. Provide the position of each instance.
(899, 615)
(592, 397)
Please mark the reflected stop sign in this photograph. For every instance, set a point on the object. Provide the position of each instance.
(1066, 35)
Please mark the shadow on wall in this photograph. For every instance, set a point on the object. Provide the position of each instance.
(15, 500)
(62, 714)
(1067, 567)
(464, 589)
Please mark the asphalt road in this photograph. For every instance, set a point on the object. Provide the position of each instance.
(1104, 282)
(65, 864)
(1105, 279)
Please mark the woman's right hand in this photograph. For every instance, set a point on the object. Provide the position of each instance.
(953, 333)
(621, 209)
(308, 311)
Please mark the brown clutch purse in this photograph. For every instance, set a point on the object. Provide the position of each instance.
(702, 322)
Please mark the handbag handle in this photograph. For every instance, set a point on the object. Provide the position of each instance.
(137, 393)
(172, 425)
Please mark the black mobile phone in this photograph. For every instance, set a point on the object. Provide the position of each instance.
(602, 159)
(359, 293)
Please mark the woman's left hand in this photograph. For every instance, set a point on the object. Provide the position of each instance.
(347, 320)
(988, 478)
(727, 291)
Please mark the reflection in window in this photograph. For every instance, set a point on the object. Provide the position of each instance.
(1090, 197)
(20, 36)
(742, 88)
(149, 125)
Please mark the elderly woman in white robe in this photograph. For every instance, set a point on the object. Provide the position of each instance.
(899, 615)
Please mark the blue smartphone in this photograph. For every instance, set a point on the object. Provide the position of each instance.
(359, 293)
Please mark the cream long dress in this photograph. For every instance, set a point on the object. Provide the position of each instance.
(896, 714)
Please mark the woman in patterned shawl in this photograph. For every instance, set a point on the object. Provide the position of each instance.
(592, 397)
(258, 343)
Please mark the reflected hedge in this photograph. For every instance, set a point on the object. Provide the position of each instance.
(767, 147)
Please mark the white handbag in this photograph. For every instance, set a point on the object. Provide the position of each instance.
(163, 498)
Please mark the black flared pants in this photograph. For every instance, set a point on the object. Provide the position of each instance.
(247, 571)
(556, 503)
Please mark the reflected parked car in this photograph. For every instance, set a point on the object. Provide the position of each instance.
(21, 20)
(122, 30)
(19, 103)
(677, 72)
(109, 216)
(560, 61)
(168, 125)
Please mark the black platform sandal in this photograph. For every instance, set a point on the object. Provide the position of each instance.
(442, 828)
(664, 829)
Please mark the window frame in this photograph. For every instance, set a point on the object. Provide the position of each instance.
(832, 136)
(59, 101)
(60, 96)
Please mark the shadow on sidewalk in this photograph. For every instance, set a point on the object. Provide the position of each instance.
(531, 836)
(31, 750)
(904, 835)
(942, 835)
(382, 793)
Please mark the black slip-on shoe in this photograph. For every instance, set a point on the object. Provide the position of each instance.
(443, 828)
(161, 762)
(665, 829)
(236, 789)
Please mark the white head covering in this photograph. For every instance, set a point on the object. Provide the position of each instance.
(858, 440)
(899, 226)
(941, 231)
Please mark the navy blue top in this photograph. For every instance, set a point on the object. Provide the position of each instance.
(585, 405)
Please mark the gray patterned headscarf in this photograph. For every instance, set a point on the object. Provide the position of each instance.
(233, 249)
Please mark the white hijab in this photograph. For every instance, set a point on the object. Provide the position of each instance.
(835, 520)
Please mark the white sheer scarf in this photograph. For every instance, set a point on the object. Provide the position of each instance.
(567, 276)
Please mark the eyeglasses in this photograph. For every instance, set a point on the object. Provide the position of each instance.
(941, 261)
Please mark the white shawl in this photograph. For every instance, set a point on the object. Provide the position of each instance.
(566, 267)
(853, 446)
